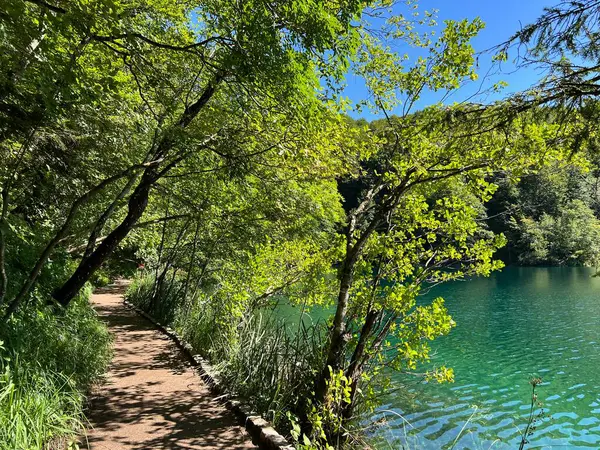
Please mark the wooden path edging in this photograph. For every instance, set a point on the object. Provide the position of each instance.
(261, 431)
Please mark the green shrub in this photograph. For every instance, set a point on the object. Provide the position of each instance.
(100, 278)
(48, 360)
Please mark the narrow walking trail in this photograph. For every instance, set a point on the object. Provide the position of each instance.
(152, 398)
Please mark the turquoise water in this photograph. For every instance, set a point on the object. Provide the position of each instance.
(519, 323)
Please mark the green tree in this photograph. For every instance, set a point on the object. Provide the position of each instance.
(186, 82)
(520, 209)
(418, 220)
(570, 238)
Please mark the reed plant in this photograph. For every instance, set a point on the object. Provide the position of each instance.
(161, 300)
(273, 364)
(268, 362)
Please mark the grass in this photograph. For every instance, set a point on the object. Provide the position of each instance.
(263, 360)
(37, 408)
(162, 304)
(48, 360)
(269, 364)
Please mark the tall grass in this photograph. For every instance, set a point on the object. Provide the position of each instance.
(263, 360)
(161, 302)
(37, 408)
(48, 360)
(271, 364)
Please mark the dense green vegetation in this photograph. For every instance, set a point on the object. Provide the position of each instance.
(210, 142)
(48, 362)
(549, 218)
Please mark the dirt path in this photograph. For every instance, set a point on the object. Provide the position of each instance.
(152, 399)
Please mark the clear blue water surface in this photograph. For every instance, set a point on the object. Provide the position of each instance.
(517, 324)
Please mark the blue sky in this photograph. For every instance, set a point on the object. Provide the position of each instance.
(502, 18)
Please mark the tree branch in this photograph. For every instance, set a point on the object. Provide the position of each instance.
(62, 231)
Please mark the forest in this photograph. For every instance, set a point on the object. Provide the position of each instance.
(207, 151)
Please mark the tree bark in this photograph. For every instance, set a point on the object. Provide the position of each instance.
(188, 276)
(137, 202)
(337, 345)
(136, 206)
(3, 276)
(358, 360)
(91, 244)
(157, 280)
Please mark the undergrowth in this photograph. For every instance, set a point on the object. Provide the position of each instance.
(261, 359)
(48, 359)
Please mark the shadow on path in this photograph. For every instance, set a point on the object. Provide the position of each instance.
(152, 399)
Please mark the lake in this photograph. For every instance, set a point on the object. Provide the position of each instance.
(512, 326)
(519, 323)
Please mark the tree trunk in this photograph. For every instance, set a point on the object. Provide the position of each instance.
(338, 340)
(188, 276)
(3, 276)
(136, 207)
(157, 280)
(24, 291)
(91, 244)
(358, 360)
(338, 335)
